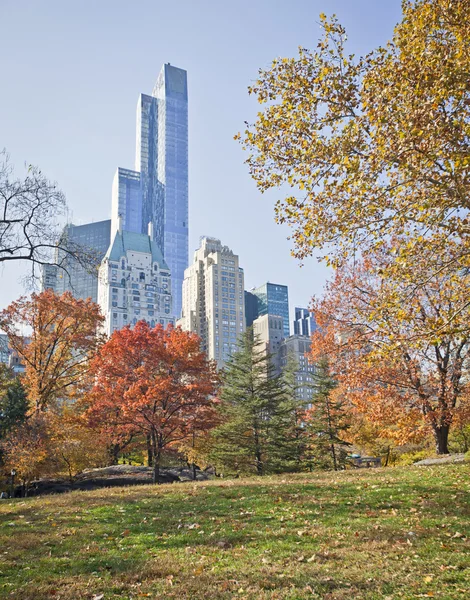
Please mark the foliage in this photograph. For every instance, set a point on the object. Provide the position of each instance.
(370, 328)
(13, 406)
(251, 410)
(327, 420)
(155, 383)
(370, 534)
(377, 146)
(73, 445)
(26, 450)
(63, 340)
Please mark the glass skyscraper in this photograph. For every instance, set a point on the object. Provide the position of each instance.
(81, 280)
(273, 299)
(162, 162)
(126, 200)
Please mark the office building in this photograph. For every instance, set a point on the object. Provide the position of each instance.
(269, 330)
(213, 299)
(80, 277)
(304, 322)
(126, 201)
(297, 347)
(273, 299)
(157, 191)
(134, 282)
(251, 308)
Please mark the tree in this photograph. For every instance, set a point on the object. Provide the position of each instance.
(375, 147)
(155, 383)
(30, 211)
(63, 340)
(371, 330)
(13, 406)
(327, 420)
(251, 395)
(73, 445)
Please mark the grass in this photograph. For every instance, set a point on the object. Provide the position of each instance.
(372, 534)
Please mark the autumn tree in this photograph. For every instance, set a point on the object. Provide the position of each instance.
(327, 420)
(374, 147)
(155, 383)
(57, 352)
(371, 330)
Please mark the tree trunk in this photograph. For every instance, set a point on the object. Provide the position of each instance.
(441, 437)
(333, 456)
(149, 452)
(156, 469)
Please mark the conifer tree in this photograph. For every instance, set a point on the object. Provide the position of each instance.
(327, 420)
(13, 406)
(251, 395)
(288, 435)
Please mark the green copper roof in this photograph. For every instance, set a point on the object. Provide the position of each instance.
(126, 241)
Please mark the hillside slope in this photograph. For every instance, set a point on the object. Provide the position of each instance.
(385, 533)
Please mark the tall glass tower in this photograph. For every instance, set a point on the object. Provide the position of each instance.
(162, 162)
(171, 92)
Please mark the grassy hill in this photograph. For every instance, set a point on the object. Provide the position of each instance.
(375, 534)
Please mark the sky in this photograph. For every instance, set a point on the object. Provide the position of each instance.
(71, 76)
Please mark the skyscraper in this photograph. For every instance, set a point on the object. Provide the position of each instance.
(162, 163)
(213, 299)
(304, 322)
(273, 299)
(92, 241)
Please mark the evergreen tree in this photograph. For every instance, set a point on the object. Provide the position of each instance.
(287, 432)
(13, 406)
(251, 395)
(327, 421)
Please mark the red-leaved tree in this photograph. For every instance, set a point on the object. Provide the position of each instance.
(152, 382)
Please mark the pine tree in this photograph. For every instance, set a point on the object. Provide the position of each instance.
(327, 421)
(251, 395)
(13, 406)
(288, 435)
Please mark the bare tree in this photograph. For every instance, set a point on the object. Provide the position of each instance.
(32, 214)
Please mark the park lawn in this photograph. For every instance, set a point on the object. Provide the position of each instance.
(372, 533)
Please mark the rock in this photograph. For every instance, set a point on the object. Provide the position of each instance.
(448, 459)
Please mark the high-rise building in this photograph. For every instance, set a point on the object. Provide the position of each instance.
(213, 299)
(273, 299)
(297, 347)
(134, 282)
(160, 196)
(79, 277)
(171, 91)
(304, 322)
(251, 308)
(126, 201)
(269, 330)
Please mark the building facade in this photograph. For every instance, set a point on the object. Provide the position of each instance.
(273, 299)
(213, 299)
(126, 201)
(304, 322)
(134, 282)
(269, 330)
(296, 347)
(80, 279)
(157, 191)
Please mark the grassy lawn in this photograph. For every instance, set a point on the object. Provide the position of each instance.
(385, 533)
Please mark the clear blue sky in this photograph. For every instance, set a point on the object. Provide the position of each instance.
(71, 73)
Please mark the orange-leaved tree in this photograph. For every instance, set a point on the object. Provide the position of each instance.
(153, 382)
(57, 352)
(371, 329)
